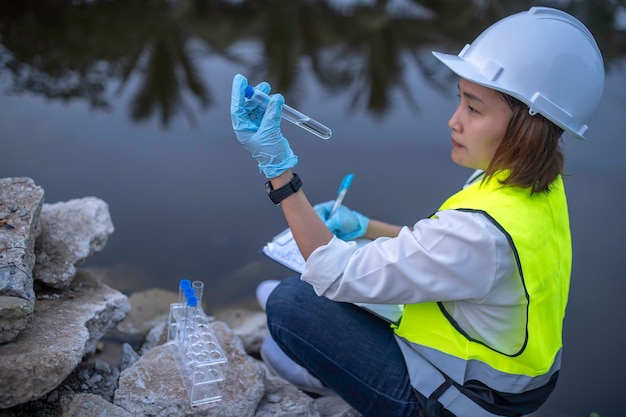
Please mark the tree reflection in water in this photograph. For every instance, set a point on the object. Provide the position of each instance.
(68, 49)
(160, 57)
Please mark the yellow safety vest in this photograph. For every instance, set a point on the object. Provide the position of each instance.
(537, 226)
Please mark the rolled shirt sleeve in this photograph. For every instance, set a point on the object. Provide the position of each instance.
(454, 255)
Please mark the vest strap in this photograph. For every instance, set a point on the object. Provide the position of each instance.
(432, 401)
(445, 393)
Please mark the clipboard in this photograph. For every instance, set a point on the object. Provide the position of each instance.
(284, 250)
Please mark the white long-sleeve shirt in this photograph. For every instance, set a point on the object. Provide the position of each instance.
(459, 258)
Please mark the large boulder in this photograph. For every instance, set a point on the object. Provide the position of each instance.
(71, 231)
(20, 206)
(153, 386)
(63, 330)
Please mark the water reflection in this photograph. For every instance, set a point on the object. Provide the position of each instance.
(73, 50)
(127, 100)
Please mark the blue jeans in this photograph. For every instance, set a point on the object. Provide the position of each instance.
(348, 349)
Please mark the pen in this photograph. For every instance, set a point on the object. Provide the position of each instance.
(341, 193)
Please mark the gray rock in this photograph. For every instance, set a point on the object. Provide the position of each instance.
(20, 204)
(249, 325)
(282, 399)
(152, 386)
(90, 405)
(147, 308)
(334, 406)
(157, 335)
(129, 356)
(62, 332)
(15, 314)
(70, 232)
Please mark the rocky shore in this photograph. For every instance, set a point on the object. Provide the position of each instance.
(54, 316)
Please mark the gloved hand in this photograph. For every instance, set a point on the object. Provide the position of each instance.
(258, 129)
(346, 224)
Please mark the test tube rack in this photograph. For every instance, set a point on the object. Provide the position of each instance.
(198, 354)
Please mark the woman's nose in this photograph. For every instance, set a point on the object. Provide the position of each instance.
(454, 123)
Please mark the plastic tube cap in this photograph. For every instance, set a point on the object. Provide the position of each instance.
(192, 301)
(249, 91)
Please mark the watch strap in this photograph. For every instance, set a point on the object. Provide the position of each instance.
(279, 194)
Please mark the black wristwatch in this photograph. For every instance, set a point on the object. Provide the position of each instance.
(285, 191)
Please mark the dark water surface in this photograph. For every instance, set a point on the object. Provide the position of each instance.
(128, 101)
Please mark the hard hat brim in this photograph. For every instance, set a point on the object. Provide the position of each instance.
(468, 71)
(464, 69)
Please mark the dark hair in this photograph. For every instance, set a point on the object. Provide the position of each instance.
(530, 149)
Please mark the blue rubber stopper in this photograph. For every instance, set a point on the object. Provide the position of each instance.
(192, 301)
(249, 91)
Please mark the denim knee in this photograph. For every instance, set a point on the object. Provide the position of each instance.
(287, 302)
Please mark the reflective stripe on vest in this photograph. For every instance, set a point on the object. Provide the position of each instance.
(428, 380)
(537, 227)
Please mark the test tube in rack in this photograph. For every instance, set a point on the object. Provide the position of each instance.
(198, 354)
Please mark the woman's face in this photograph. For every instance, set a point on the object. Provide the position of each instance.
(478, 125)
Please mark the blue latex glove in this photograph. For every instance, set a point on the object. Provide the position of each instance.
(258, 129)
(346, 224)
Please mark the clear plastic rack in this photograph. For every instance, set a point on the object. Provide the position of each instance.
(199, 356)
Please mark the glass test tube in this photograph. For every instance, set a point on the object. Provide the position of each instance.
(290, 114)
(198, 288)
(188, 322)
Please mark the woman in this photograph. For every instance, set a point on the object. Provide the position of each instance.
(484, 281)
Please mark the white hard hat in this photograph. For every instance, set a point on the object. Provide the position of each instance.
(545, 58)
